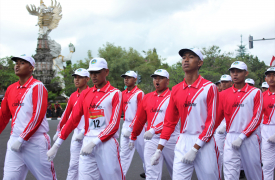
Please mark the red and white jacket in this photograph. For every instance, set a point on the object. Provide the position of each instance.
(27, 105)
(66, 114)
(101, 109)
(268, 107)
(242, 109)
(151, 110)
(196, 105)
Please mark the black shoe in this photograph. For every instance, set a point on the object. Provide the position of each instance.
(143, 175)
(242, 174)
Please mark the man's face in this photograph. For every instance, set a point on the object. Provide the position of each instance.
(219, 87)
(129, 81)
(22, 67)
(237, 75)
(226, 84)
(270, 79)
(99, 77)
(80, 81)
(264, 89)
(160, 83)
(190, 61)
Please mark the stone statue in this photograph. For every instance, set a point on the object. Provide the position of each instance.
(48, 17)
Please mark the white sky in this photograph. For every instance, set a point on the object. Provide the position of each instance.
(167, 25)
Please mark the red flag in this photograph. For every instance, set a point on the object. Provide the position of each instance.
(272, 63)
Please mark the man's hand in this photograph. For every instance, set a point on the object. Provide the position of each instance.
(155, 157)
(126, 133)
(131, 145)
(222, 130)
(52, 152)
(87, 150)
(148, 134)
(271, 139)
(190, 156)
(79, 137)
(16, 146)
(56, 136)
(237, 143)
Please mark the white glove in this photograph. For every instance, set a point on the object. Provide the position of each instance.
(271, 139)
(56, 136)
(190, 156)
(52, 152)
(131, 145)
(222, 130)
(155, 157)
(237, 143)
(87, 150)
(126, 133)
(149, 134)
(16, 146)
(79, 137)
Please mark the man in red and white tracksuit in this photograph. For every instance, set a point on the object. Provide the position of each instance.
(81, 78)
(268, 126)
(152, 110)
(101, 107)
(195, 102)
(26, 102)
(241, 106)
(131, 99)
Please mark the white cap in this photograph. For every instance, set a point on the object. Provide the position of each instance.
(271, 69)
(161, 72)
(26, 58)
(250, 81)
(226, 77)
(97, 64)
(238, 65)
(194, 50)
(81, 72)
(130, 74)
(265, 85)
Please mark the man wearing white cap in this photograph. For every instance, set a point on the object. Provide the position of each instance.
(265, 86)
(81, 78)
(241, 106)
(268, 126)
(152, 110)
(131, 99)
(101, 107)
(26, 102)
(195, 102)
(250, 81)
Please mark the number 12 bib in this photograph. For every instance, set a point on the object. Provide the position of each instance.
(97, 119)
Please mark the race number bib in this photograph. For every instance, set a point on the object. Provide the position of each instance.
(97, 119)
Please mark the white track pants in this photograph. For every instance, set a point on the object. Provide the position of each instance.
(155, 172)
(74, 159)
(32, 156)
(220, 138)
(268, 152)
(206, 162)
(248, 154)
(126, 155)
(102, 163)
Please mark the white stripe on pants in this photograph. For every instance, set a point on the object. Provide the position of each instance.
(206, 161)
(126, 154)
(268, 152)
(74, 157)
(102, 163)
(248, 154)
(32, 156)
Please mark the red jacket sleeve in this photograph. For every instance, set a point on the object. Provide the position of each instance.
(39, 101)
(139, 100)
(212, 104)
(220, 112)
(257, 114)
(140, 120)
(66, 114)
(113, 126)
(5, 113)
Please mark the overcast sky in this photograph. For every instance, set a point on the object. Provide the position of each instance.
(167, 25)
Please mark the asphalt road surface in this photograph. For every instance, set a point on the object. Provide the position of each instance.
(61, 161)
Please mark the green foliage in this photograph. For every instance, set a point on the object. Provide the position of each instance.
(51, 95)
(7, 75)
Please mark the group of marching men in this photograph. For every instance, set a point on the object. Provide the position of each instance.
(194, 126)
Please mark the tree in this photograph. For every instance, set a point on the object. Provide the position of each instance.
(7, 75)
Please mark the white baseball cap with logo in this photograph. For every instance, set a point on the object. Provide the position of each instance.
(194, 50)
(265, 85)
(250, 81)
(81, 72)
(161, 72)
(238, 65)
(271, 69)
(97, 64)
(130, 74)
(226, 77)
(26, 58)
